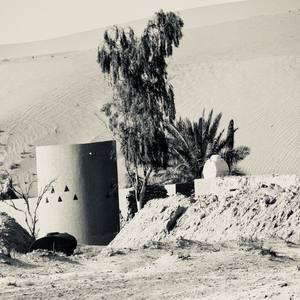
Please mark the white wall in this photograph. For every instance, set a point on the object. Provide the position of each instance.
(219, 185)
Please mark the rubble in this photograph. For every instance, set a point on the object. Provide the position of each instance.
(248, 211)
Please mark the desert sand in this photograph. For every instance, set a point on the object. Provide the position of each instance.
(244, 63)
(243, 244)
(204, 272)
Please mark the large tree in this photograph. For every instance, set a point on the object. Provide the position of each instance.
(142, 105)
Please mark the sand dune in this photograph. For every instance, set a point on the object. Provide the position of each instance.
(193, 18)
(49, 102)
(247, 67)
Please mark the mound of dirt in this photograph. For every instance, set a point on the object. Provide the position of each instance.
(260, 211)
(13, 236)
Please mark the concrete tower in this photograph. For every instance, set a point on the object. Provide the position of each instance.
(84, 199)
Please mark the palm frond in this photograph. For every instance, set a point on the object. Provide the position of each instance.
(192, 143)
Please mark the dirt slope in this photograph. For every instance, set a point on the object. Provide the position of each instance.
(258, 212)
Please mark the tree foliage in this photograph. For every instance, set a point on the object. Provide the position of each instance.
(143, 99)
(192, 143)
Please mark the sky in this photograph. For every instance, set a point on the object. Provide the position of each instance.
(32, 20)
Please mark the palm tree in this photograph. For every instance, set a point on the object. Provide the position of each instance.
(192, 143)
(231, 154)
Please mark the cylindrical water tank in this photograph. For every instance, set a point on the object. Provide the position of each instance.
(215, 167)
(84, 198)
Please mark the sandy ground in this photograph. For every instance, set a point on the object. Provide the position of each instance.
(242, 244)
(200, 272)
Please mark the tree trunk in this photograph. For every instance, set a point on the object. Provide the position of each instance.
(139, 205)
(136, 188)
(143, 190)
(142, 194)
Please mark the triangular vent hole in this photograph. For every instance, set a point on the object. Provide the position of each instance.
(66, 188)
(75, 197)
(52, 190)
(59, 199)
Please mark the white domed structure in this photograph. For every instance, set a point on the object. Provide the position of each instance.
(216, 166)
